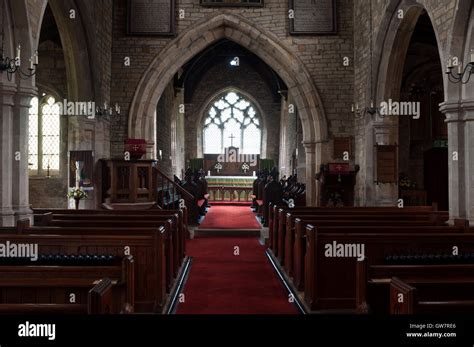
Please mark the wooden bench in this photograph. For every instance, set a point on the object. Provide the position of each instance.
(405, 299)
(98, 302)
(43, 289)
(277, 211)
(180, 215)
(279, 214)
(438, 283)
(295, 243)
(281, 239)
(173, 250)
(330, 282)
(146, 245)
(174, 245)
(295, 246)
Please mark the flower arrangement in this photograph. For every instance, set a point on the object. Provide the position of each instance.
(77, 194)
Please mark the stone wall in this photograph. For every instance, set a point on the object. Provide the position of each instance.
(51, 74)
(322, 56)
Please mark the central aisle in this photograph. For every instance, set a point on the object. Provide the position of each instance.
(225, 217)
(231, 275)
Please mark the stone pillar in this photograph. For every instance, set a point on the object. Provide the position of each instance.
(20, 178)
(385, 133)
(312, 189)
(284, 145)
(457, 179)
(469, 158)
(7, 93)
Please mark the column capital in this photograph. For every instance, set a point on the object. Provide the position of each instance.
(451, 107)
(310, 147)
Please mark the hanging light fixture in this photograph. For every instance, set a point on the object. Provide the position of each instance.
(13, 65)
(107, 110)
(463, 75)
(372, 109)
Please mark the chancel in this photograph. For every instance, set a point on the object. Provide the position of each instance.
(223, 160)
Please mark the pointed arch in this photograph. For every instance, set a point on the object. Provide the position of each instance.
(261, 42)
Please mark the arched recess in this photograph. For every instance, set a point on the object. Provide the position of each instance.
(206, 105)
(391, 44)
(264, 44)
(459, 44)
(395, 43)
(75, 47)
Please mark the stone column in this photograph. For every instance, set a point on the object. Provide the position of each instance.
(20, 179)
(385, 133)
(456, 146)
(7, 93)
(312, 189)
(468, 107)
(283, 157)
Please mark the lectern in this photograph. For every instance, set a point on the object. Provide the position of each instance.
(129, 182)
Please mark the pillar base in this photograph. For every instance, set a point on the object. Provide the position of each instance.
(7, 218)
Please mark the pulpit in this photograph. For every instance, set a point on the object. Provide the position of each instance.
(128, 182)
(337, 182)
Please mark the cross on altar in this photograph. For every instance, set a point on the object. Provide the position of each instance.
(232, 137)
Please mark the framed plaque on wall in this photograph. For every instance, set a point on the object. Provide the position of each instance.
(387, 164)
(232, 3)
(151, 17)
(313, 17)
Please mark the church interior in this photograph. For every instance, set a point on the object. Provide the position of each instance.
(238, 157)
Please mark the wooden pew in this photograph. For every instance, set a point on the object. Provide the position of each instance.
(42, 216)
(173, 249)
(47, 289)
(295, 245)
(98, 302)
(330, 282)
(411, 303)
(147, 247)
(171, 267)
(440, 284)
(154, 212)
(281, 238)
(278, 226)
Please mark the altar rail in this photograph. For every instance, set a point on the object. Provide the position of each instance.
(239, 194)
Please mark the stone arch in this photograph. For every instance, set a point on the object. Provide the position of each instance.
(391, 44)
(264, 44)
(207, 103)
(461, 41)
(468, 48)
(75, 48)
(394, 38)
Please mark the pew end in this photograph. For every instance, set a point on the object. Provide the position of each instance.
(402, 297)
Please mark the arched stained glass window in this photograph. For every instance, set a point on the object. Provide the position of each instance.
(231, 120)
(44, 136)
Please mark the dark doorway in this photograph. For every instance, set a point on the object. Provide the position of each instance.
(436, 177)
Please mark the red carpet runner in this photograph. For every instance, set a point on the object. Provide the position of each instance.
(223, 283)
(230, 217)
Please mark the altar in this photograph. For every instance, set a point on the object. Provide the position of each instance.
(230, 188)
(231, 163)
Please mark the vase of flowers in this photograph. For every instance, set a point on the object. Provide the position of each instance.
(77, 194)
